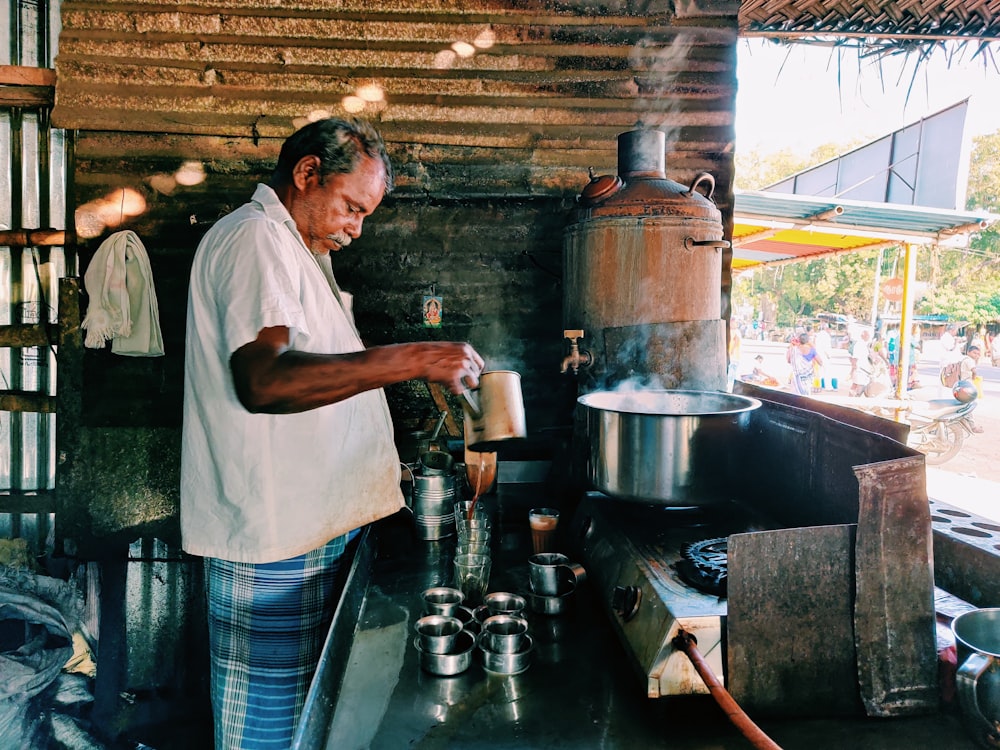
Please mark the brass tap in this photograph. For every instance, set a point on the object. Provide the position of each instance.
(577, 357)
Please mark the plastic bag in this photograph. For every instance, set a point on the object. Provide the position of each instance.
(35, 643)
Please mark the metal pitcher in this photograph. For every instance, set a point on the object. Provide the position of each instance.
(977, 641)
(494, 412)
(433, 505)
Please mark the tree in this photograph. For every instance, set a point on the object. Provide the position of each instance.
(842, 283)
(755, 171)
(965, 282)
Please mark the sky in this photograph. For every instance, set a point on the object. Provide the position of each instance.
(789, 96)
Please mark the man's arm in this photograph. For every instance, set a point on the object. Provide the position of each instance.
(269, 377)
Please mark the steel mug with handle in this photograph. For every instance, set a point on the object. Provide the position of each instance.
(977, 641)
(494, 413)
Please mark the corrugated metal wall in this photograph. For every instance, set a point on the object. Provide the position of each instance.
(479, 85)
(33, 173)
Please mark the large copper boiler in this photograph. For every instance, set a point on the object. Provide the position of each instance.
(642, 273)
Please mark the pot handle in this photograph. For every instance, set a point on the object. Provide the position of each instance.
(700, 178)
(471, 404)
(967, 679)
(690, 243)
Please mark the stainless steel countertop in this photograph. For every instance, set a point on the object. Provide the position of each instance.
(581, 691)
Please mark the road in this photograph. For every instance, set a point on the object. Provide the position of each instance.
(971, 480)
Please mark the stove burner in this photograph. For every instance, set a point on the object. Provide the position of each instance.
(703, 565)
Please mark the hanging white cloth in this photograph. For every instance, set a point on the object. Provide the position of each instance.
(122, 305)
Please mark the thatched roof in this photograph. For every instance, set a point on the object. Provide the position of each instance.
(874, 25)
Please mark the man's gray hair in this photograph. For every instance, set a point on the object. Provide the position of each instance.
(339, 143)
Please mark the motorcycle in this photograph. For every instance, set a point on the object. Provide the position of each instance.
(939, 427)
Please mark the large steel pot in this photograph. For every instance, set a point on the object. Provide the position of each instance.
(664, 447)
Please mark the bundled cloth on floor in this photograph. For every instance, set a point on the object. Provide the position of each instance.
(122, 305)
(38, 616)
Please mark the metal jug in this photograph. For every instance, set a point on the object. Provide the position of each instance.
(977, 641)
(495, 412)
(433, 505)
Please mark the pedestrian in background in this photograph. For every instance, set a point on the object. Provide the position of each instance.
(947, 342)
(803, 357)
(861, 367)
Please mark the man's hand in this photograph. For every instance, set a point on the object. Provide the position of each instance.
(455, 365)
(271, 378)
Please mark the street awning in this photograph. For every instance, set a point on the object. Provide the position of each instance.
(773, 227)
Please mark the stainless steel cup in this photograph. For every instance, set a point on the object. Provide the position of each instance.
(453, 661)
(442, 600)
(977, 641)
(555, 604)
(545, 570)
(504, 634)
(436, 633)
(505, 603)
(508, 663)
(494, 413)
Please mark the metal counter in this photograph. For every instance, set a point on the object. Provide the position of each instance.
(581, 691)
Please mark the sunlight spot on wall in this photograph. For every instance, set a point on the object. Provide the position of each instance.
(190, 173)
(463, 49)
(485, 39)
(353, 104)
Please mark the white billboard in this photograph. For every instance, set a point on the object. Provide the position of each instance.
(923, 164)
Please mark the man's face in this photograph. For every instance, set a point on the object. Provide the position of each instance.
(974, 353)
(329, 215)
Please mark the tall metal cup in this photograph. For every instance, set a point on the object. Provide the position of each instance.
(433, 505)
(977, 641)
(494, 412)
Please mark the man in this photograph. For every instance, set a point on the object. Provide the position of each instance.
(760, 375)
(287, 440)
(947, 341)
(861, 368)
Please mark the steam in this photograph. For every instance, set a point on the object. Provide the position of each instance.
(660, 65)
(500, 349)
(639, 384)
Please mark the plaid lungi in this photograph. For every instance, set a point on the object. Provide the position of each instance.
(266, 625)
